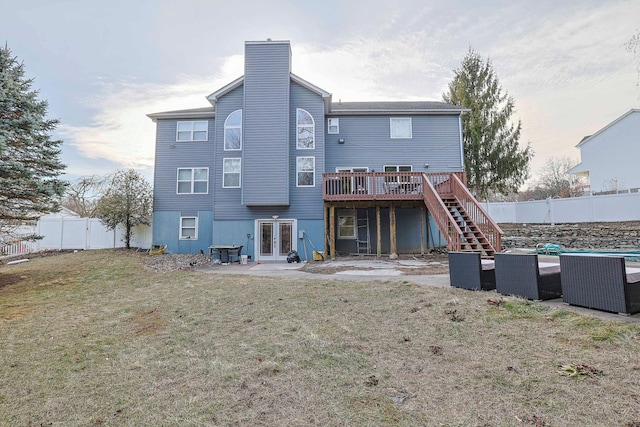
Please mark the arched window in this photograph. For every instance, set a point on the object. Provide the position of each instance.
(306, 127)
(233, 131)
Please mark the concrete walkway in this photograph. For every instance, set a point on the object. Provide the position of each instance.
(385, 270)
(361, 270)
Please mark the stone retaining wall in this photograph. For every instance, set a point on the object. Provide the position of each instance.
(590, 235)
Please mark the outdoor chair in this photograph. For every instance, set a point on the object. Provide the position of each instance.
(524, 276)
(469, 271)
(600, 282)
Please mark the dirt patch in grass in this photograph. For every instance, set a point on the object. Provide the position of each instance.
(103, 340)
(147, 322)
(429, 264)
(8, 279)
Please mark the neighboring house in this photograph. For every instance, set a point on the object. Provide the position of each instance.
(274, 165)
(609, 157)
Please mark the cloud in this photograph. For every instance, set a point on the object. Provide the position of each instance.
(121, 132)
(563, 63)
(374, 69)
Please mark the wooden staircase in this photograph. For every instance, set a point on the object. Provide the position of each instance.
(460, 218)
(473, 239)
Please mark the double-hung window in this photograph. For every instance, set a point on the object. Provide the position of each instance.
(306, 129)
(193, 181)
(305, 171)
(233, 131)
(347, 226)
(192, 131)
(188, 228)
(394, 168)
(400, 128)
(231, 169)
(333, 125)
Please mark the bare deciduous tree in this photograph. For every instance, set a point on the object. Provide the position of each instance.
(83, 194)
(554, 181)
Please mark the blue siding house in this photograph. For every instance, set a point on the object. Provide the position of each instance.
(274, 165)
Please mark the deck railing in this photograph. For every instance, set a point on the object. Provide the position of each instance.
(478, 215)
(443, 219)
(348, 186)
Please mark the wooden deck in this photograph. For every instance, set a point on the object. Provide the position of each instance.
(458, 215)
(363, 186)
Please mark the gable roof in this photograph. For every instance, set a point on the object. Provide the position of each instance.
(331, 108)
(590, 137)
(395, 107)
(213, 97)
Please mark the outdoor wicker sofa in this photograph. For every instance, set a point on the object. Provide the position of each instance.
(600, 282)
(469, 271)
(524, 276)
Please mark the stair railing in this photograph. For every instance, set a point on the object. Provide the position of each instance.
(491, 231)
(441, 215)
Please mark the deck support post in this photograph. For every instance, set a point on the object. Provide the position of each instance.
(422, 235)
(392, 231)
(332, 232)
(378, 232)
(325, 212)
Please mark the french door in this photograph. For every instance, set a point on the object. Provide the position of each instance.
(276, 238)
(355, 185)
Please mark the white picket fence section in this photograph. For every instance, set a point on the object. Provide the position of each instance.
(71, 233)
(18, 247)
(601, 208)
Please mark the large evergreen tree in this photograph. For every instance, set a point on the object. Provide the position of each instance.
(127, 202)
(29, 157)
(494, 161)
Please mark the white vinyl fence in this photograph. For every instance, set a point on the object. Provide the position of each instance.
(602, 208)
(64, 233)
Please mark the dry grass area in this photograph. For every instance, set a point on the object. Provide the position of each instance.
(93, 338)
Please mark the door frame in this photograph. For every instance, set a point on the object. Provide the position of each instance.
(355, 187)
(275, 221)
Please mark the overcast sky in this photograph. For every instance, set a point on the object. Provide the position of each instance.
(103, 66)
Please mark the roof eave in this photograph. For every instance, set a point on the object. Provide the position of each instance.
(212, 98)
(182, 115)
(590, 137)
(373, 112)
(326, 96)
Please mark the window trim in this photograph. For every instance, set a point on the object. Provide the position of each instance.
(337, 125)
(299, 171)
(355, 227)
(224, 161)
(313, 130)
(392, 119)
(192, 131)
(192, 180)
(224, 145)
(396, 179)
(182, 227)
